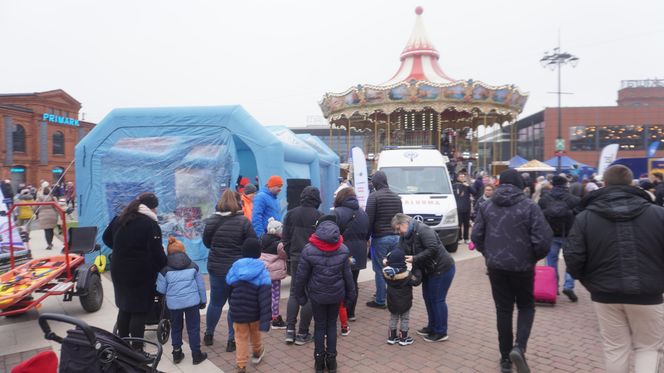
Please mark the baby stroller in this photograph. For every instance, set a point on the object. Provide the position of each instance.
(159, 316)
(93, 350)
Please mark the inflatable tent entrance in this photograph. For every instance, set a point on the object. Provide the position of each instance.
(186, 156)
(323, 167)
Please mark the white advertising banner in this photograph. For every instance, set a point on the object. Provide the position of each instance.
(608, 155)
(360, 180)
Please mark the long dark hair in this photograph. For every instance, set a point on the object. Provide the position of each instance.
(131, 211)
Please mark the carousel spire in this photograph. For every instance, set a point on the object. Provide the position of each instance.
(419, 59)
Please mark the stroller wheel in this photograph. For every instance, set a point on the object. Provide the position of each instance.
(163, 331)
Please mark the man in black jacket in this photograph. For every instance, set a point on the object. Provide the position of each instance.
(512, 234)
(462, 194)
(559, 207)
(382, 205)
(299, 225)
(616, 250)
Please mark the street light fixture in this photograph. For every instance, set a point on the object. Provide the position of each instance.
(555, 60)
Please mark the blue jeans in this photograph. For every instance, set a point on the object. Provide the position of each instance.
(193, 319)
(219, 292)
(552, 261)
(380, 247)
(434, 292)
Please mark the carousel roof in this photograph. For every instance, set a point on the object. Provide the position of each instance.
(419, 59)
(420, 84)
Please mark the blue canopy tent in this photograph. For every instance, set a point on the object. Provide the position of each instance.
(566, 165)
(186, 156)
(517, 161)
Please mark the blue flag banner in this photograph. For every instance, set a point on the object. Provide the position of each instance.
(653, 148)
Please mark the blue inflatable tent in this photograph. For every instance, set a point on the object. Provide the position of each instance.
(323, 168)
(187, 156)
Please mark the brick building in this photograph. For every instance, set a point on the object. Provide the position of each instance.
(38, 136)
(635, 123)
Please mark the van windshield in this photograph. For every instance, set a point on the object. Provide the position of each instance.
(418, 180)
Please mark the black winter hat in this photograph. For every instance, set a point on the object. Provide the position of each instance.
(396, 259)
(332, 218)
(251, 248)
(511, 176)
(559, 181)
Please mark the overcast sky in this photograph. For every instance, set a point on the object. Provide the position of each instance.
(278, 58)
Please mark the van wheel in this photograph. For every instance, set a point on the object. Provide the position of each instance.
(452, 248)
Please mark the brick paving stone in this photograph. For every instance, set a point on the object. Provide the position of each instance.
(564, 337)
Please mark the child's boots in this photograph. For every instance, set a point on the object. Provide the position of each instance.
(319, 363)
(331, 362)
(392, 337)
(404, 339)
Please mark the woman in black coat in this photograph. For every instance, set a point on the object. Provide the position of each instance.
(425, 251)
(353, 224)
(138, 256)
(224, 234)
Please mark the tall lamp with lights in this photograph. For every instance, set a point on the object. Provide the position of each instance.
(555, 60)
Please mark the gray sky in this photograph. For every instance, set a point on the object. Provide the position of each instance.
(277, 58)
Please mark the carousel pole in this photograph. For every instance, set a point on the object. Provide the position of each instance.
(375, 135)
(348, 137)
(330, 139)
(389, 134)
(339, 140)
(439, 128)
(484, 145)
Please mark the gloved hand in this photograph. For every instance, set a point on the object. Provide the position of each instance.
(202, 306)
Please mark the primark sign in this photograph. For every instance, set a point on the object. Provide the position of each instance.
(59, 120)
(644, 83)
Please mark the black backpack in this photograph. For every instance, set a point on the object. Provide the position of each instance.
(558, 213)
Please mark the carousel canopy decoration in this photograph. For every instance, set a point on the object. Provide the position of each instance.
(420, 84)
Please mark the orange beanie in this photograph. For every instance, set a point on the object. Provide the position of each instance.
(174, 245)
(274, 181)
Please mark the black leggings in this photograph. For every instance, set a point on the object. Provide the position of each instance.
(48, 233)
(350, 307)
(132, 324)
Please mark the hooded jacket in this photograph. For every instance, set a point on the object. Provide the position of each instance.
(353, 224)
(300, 224)
(250, 296)
(324, 273)
(511, 231)
(382, 205)
(274, 259)
(615, 247)
(224, 235)
(266, 206)
(181, 282)
(429, 254)
(400, 290)
(560, 228)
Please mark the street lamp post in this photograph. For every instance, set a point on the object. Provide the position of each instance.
(555, 60)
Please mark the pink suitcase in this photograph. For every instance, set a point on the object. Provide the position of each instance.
(546, 288)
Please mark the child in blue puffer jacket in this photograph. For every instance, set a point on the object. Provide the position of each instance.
(184, 288)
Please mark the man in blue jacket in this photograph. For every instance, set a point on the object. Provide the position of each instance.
(266, 205)
(512, 234)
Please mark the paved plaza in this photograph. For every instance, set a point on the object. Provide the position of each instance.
(564, 337)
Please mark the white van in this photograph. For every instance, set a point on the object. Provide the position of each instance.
(419, 176)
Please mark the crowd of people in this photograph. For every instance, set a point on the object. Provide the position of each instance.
(608, 238)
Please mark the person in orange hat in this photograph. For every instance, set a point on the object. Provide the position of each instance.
(266, 205)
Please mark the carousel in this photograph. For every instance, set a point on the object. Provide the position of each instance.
(422, 105)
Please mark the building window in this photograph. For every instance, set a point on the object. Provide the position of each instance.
(589, 138)
(57, 173)
(58, 143)
(17, 175)
(582, 138)
(18, 138)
